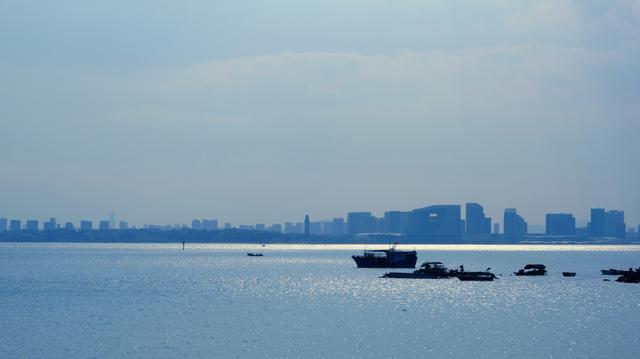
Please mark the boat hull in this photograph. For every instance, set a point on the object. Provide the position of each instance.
(476, 277)
(404, 261)
(614, 272)
(414, 275)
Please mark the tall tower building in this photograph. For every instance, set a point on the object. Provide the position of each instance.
(307, 225)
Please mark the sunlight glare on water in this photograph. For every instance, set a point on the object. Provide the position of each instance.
(148, 300)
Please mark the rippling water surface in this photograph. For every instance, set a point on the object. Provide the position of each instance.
(152, 301)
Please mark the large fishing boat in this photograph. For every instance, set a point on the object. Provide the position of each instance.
(387, 258)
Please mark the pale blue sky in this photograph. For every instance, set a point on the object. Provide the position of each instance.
(261, 111)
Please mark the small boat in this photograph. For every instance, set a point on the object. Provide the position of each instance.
(255, 255)
(611, 271)
(428, 270)
(476, 276)
(568, 274)
(532, 270)
(631, 277)
(387, 258)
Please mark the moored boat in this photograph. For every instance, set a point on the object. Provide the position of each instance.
(568, 274)
(387, 258)
(476, 276)
(532, 270)
(254, 254)
(612, 271)
(428, 270)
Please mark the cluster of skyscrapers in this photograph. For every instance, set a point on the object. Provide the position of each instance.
(33, 225)
(442, 221)
(446, 221)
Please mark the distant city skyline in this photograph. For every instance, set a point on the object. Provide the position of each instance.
(438, 220)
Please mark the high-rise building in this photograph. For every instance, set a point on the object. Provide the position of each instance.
(614, 225)
(361, 222)
(15, 225)
(123, 226)
(496, 228)
(607, 223)
(3, 224)
(196, 225)
(261, 227)
(276, 228)
(112, 221)
(396, 222)
(514, 225)
(50, 225)
(327, 228)
(596, 225)
(338, 226)
(560, 224)
(69, 227)
(477, 222)
(289, 228)
(439, 220)
(32, 225)
(315, 228)
(307, 225)
(103, 225)
(210, 225)
(86, 226)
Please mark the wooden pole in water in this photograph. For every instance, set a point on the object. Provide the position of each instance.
(183, 245)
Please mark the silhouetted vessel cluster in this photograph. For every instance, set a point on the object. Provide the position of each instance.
(394, 258)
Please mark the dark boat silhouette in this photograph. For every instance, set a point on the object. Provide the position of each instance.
(532, 270)
(568, 274)
(485, 276)
(428, 270)
(254, 254)
(614, 272)
(630, 277)
(387, 258)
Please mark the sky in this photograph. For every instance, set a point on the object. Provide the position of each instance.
(262, 111)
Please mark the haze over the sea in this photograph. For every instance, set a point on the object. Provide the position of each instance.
(164, 111)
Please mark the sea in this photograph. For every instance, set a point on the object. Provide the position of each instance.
(310, 301)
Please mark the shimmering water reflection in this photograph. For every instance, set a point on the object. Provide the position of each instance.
(148, 300)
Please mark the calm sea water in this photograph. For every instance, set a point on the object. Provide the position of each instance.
(156, 301)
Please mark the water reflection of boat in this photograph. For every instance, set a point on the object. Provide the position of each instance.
(428, 270)
(387, 258)
(532, 270)
(254, 254)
